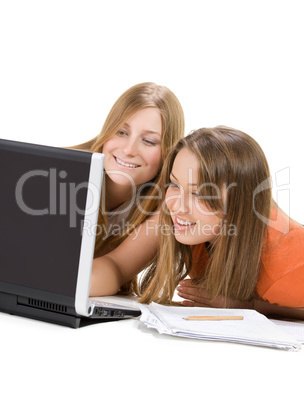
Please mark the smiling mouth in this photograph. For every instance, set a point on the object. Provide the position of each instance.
(125, 164)
(181, 224)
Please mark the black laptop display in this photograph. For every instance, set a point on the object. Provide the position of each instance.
(49, 204)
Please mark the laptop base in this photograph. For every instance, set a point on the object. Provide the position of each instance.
(9, 304)
(16, 305)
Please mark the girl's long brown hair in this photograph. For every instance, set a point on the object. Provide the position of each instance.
(233, 162)
(138, 97)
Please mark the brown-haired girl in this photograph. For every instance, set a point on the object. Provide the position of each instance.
(140, 130)
(224, 230)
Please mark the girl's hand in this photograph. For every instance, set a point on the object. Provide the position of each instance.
(197, 296)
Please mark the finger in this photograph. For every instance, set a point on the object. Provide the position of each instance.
(188, 303)
(187, 293)
(192, 290)
(193, 298)
(187, 283)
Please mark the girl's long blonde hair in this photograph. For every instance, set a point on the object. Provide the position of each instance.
(137, 97)
(233, 162)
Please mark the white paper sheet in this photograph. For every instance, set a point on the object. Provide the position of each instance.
(294, 328)
(254, 329)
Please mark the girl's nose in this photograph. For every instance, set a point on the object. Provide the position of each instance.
(130, 148)
(179, 204)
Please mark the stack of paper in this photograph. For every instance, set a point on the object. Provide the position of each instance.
(253, 329)
(294, 328)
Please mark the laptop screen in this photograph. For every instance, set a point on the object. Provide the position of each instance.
(42, 205)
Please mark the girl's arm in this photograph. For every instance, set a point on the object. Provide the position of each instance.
(118, 267)
(196, 296)
(274, 310)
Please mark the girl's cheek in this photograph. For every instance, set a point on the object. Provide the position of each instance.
(156, 159)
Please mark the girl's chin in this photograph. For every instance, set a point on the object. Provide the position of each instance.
(188, 240)
(183, 239)
(121, 179)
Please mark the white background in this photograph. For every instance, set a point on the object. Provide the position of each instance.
(238, 63)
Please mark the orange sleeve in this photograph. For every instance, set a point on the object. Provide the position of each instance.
(288, 290)
(281, 279)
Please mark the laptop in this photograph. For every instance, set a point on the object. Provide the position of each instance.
(49, 203)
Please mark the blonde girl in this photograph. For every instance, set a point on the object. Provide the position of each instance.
(221, 226)
(140, 129)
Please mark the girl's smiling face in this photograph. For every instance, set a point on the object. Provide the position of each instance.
(193, 222)
(133, 154)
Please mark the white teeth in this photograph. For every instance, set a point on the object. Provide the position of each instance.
(179, 221)
(126, 164)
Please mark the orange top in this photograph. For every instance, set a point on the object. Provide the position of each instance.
(281, 278)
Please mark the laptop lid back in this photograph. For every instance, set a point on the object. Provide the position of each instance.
(49, 201)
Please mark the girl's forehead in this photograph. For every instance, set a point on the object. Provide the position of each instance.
(186, 157)
(185, 167)
(148, 119)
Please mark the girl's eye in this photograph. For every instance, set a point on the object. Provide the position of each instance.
(121, 132)
(196, 195)
(172, 184)
(149, 142)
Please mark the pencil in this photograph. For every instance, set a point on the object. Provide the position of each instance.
(214, 318)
